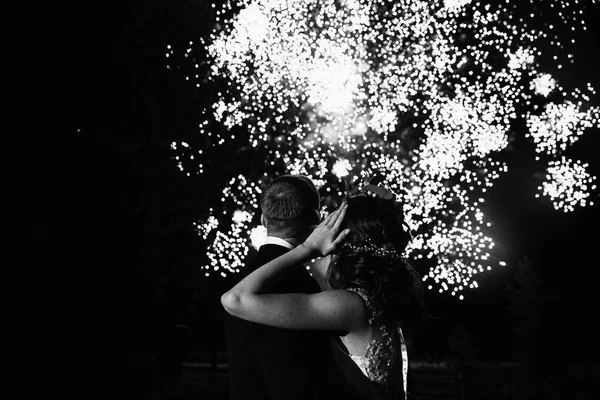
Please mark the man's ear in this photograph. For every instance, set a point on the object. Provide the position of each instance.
(263, 220)
(317, 220)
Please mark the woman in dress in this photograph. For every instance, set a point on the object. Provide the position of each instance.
(368, 294)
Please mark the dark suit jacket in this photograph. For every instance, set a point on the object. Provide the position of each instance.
(273, 363)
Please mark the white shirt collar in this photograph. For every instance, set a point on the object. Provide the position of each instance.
(278, 241)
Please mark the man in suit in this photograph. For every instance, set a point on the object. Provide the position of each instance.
(273, 363)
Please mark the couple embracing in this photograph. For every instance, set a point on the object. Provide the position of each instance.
(337, 332)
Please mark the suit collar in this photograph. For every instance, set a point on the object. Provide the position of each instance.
(278, 241)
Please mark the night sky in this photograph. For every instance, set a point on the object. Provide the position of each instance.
(134, 207)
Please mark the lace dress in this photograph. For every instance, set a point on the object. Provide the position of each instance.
(385, 362)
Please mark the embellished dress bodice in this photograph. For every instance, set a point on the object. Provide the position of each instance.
(385, 362)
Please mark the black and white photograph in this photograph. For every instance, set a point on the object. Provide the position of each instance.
(339, 199)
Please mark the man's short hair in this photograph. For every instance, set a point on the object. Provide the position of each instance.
(290, 203)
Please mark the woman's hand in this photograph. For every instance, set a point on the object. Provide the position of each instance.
(327, 236)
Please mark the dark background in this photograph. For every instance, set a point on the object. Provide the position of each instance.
(108, 202)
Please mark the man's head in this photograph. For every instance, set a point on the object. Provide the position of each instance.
(290, 206)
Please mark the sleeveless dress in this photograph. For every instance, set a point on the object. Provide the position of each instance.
(385, 362)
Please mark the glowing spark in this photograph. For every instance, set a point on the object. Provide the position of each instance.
(522, 58)
(568, 184)
(240, 217)
(559, 126)
(258, 236)
(341, 168)
(455, 4)
(544, 84)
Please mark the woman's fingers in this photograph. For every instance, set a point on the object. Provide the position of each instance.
(335, 215)
(330, 218)
(341, 237)
(327, 218)
(340, 217)
(335, 219)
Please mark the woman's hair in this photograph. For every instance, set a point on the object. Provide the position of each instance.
(370, 258)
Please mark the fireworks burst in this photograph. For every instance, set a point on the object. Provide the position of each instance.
(422, 92)
(568, 184)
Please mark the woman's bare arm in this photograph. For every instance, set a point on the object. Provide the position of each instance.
(318, 270)
(334, 310)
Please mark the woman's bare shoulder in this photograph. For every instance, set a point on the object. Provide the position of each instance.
(349, 303)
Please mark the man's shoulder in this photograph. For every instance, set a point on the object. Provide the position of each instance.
(270, 250)
(265, 254)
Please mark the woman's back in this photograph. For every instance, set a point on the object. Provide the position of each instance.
(379, 351)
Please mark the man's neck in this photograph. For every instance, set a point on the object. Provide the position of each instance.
(291, 240)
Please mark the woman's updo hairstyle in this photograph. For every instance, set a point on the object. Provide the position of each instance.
(371, 256)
